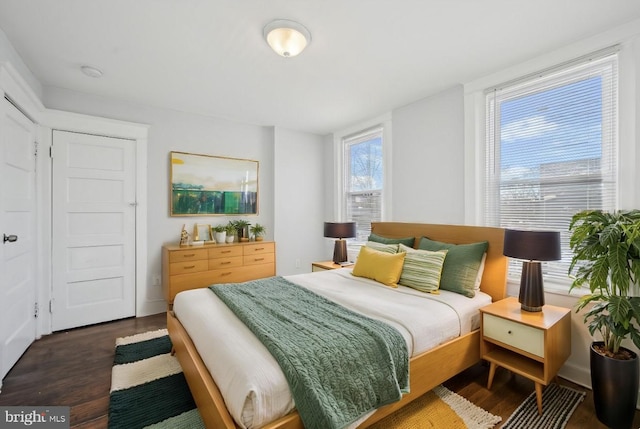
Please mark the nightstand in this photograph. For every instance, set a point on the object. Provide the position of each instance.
(324, 265)
(534, 345)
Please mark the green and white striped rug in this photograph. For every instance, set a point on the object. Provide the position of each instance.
(148, 389)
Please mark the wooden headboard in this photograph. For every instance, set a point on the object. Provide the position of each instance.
(494, 277)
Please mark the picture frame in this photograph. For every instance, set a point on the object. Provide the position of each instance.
(202, 232)
(205, 185)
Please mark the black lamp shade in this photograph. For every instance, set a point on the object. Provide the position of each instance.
(532, 247)
(340, 230)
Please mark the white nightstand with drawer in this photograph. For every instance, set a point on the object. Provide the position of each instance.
(534, 345)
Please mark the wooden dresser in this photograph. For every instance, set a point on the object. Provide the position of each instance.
(194, 267)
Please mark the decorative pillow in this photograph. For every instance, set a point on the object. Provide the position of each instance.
(422, 269)
(379, 266)
(387, 248)
(408, 241)
(461, 265)
(480, 272)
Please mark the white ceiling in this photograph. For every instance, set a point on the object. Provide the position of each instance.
(366, 56)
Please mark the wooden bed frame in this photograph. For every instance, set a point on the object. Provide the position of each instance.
(450, 358)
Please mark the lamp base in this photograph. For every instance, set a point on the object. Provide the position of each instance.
(531, 296)
(340, 251)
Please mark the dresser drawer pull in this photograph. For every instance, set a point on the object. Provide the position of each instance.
(225, 263)
(257, 249)
(190, 255)
(259, 259)
(226, 251)
(189, 267)
(225, 274)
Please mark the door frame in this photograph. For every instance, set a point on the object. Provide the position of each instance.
(16, 88)
(138, 133)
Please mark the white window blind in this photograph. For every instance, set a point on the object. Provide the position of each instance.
(363, 180)
(551, 145)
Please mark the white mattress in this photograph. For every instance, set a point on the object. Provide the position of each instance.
(250, 380)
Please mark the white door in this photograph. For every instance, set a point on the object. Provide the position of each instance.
(18, 230)
(93, 239)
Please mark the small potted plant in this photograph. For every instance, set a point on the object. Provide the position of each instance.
(606, 256)
(258, 231)
(230, 229)
(220, 233)
(242, 228)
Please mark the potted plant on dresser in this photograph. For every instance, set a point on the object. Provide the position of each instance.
(220, 233)
(242, 229)
(230, 229)
(258, 231)
(606, 256)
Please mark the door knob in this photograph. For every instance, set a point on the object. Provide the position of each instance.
(9, 238)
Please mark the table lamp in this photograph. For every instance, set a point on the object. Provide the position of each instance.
(532, 247)
(340, 230)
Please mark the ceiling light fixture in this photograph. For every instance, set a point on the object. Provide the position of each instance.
(91, 71)
(287, 38)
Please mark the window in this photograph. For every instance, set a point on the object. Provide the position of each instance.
(551, 145)
(363, 180)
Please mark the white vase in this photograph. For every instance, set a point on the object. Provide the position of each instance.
(220, 236)
(230, 238)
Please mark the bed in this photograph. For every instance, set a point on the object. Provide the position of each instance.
(450, 358)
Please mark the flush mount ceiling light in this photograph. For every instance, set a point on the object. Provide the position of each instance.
(287, 38)
(91, 71)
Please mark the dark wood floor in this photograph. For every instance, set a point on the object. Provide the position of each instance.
(73, 368)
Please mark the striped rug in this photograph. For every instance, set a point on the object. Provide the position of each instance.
(148, 389)
(558, 403)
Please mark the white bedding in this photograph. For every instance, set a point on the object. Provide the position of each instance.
(250, 380)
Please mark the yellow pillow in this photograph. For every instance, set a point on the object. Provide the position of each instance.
(379, 266)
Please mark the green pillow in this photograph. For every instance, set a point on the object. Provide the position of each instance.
(461, 265)
(422, 269)
(381, 247)
(379, 239)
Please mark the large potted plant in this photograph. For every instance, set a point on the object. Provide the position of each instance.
(606, 257)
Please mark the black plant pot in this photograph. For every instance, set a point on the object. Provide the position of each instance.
(615, 388)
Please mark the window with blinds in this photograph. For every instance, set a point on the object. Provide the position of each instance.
(363, 180)
(551, 145)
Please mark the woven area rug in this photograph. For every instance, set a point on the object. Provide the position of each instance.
(148, 390)
(558, 403)
(439, 409)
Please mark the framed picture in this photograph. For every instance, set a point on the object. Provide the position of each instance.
(203, 185)
(202, 232)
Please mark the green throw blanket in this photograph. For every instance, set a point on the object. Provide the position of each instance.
(338, 363)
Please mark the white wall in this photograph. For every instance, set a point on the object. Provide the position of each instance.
(177, 131)
(299, 204)
(9, 54)
(428, 159)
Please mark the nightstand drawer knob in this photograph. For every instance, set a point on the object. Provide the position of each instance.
(509, 332)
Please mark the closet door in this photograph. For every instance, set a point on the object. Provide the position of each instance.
(18, 258)
(94, 220)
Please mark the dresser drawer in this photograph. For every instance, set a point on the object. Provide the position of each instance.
(226, 262)
(258, 248)
(523, 337)
(178, 268)
(188, 255)
(225, 252)
(243, 274)
(260, 258)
